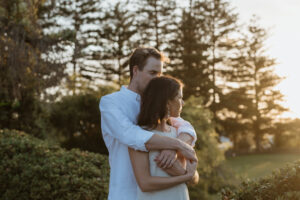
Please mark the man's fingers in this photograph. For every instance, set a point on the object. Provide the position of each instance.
(159, 158)
(171, 163)
(166, 159)
(163, 162)
(167, 164)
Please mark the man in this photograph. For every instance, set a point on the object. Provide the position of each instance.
(119, 113)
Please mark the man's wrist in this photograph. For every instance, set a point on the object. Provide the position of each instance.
(180, 145)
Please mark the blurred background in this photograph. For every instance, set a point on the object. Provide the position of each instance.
(237, 59)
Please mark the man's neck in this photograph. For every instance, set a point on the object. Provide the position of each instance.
(133, 87)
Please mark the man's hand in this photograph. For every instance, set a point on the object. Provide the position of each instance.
(187, 151)
(166, 159)
(191, 168)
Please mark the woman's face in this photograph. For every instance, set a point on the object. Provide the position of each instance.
(175, 105)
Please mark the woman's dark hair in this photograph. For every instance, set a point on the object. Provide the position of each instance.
(154, 100)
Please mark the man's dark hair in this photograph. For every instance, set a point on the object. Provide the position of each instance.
(155, 98)
(140, 55)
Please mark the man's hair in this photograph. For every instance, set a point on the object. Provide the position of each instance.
(155, 98)
(140, 55)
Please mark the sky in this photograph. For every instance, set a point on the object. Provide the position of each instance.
(282, 17)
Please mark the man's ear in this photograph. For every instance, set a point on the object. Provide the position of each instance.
(135, 70)
(168, 105)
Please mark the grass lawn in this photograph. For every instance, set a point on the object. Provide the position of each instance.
(256, 166)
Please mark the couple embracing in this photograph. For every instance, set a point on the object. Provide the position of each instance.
(150, 146)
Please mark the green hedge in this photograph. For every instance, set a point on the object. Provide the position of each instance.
(283, 184)
(32, 169)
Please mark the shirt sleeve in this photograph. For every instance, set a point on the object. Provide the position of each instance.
(183, 126)
(118, 125)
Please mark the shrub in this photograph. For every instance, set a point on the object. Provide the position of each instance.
(32, 169)
(282, 184)
(76, 119)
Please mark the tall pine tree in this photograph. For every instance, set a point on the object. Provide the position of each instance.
(253, 80)
(220, 25)
(27, 67)
(156, 22)
(187, 54)
(79, 20)
(117, 39)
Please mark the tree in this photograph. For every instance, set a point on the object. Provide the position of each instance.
(253, 80)
(117, 42)
(156, 22)
(79, 20)
(213, 175)
(286, 135)
(26, 64)
(187, 54)
(220, 25)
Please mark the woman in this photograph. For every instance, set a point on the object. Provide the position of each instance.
(161, 99)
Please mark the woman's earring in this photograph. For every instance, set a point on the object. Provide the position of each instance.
(168, 112)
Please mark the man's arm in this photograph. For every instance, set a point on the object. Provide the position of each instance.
(118, 125)
(187, 138)
(158, 142)
(174, 167)
(187, 133)
(184, 126)
(167, 158)
(148, 183)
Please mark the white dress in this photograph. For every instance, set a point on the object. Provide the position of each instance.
(178, 192)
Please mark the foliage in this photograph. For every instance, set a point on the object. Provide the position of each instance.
(186, 51)
(35, 170)
(116, 35)
(286, 135)
(213, 174)
(76, 120)
(283, 183)
(220, 23)
(201, 47)
(256, 99)
(76, 20)
(27, 69)
(156, 22)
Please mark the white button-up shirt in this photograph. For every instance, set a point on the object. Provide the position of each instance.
(119, 113)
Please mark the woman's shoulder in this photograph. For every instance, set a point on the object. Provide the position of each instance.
(173, 129)
(171, 133)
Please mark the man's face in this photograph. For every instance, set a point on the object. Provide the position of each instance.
(152, 69)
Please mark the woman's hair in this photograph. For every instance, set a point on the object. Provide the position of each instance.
(154, 100)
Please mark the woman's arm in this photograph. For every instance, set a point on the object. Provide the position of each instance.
(148, 183)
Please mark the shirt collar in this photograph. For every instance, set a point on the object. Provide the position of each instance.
(131, 93)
